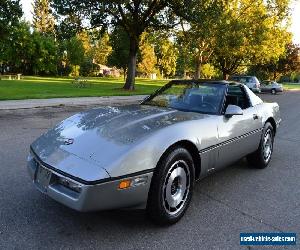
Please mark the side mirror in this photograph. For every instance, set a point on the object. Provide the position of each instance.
(232, 110)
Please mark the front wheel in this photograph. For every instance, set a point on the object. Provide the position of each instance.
(171, 187)
(262, 156)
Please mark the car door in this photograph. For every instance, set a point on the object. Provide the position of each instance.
(265, 87)
(238, 135)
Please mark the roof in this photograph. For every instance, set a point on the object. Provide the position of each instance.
(222, 82)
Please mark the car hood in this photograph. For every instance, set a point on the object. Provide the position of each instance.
(102, 135)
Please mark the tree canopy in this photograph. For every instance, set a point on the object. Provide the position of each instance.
(134, 16)
(250, 32)
(195, 38)
(148, 60)
(43, 21)
(10, 12)
(120, 49)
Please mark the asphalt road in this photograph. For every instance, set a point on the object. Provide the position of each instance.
(237, 199)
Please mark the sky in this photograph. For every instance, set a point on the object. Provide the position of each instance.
(296, 21)
(295, 27)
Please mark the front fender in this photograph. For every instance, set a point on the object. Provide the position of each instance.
(146, 154)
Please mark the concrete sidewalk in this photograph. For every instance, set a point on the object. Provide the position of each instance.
(79, 101)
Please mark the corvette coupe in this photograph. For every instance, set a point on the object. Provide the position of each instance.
(150, 155)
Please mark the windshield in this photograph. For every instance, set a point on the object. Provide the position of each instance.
(189, 96)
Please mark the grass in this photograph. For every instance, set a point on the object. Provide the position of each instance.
(291, 86)
(50, 87)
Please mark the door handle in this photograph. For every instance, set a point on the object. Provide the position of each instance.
(255, 116)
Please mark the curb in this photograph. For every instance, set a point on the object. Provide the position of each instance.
(62, 102)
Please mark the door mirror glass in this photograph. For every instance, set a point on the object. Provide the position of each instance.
(232, 110)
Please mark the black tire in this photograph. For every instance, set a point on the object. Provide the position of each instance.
(262, 156)
(158, 207)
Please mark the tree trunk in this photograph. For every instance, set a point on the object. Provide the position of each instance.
(225, 75)
(130, 80)
(198, 70)
(274, 75)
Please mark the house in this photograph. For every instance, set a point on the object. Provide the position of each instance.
(107, 71)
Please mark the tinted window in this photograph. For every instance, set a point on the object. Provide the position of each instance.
(267, 83)
(196, 97)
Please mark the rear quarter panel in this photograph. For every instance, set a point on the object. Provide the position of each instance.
(269, 110)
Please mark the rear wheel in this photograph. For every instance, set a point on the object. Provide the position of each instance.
(171, 187)
(262, 156)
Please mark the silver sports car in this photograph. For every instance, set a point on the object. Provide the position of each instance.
(150, 155)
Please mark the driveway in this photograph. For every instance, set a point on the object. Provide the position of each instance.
(237, 199)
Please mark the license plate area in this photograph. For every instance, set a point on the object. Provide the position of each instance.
(42, 178)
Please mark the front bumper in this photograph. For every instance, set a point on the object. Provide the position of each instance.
(102, 196)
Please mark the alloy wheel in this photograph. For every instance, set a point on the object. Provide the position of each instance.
(176, 187)
(267, 145)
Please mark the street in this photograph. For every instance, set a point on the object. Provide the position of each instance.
(237, 199)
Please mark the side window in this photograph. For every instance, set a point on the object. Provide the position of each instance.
(237, 96)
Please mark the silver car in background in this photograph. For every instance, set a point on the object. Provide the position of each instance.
(271, 87)
(150, 155)
(250, 81)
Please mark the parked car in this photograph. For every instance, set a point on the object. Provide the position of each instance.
(271, 87)
(150, 155)
(251, 81)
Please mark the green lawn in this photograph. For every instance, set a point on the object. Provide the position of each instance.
(291, 86)
(50, 87)
(43, 87)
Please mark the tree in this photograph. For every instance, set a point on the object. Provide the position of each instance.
(96, 51)
(10, 13)
(66, 27)
(120, 49)
(185, 60)
(167, 57)
(86, 66)
(43, 21)
(85, 39)
(28, 53)
(203, 48)
(148, 58)
(102, 50)
(75, 53)
(17, 49)
(208, 71)
(134, 16)
(250, 32)
(44, 56)
(288, 63)
(198, 37)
